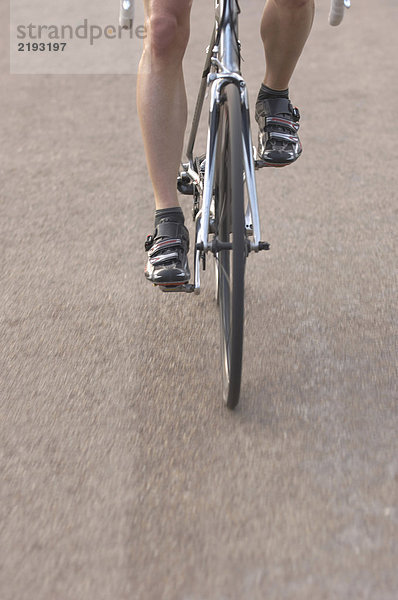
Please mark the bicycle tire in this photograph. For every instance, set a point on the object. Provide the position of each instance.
(230, 227)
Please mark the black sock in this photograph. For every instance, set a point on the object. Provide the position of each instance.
(266, 93)
(175, 215)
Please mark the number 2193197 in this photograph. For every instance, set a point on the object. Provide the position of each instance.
(41, 46)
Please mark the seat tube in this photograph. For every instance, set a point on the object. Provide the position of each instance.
(229, 51)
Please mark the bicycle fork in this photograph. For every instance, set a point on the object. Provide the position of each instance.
(206, 215)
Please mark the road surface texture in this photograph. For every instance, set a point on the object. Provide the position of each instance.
(123, 475)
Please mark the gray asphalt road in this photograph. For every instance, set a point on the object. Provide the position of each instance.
(123, 476)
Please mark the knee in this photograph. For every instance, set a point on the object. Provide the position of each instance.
(167, 38)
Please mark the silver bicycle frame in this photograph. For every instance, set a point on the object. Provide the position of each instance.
(222, 67)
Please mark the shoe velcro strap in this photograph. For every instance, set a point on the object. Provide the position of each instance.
(276, 135)
(277, 106)
(169, 229)
(283, 123)
(156, 260)
(163, 245)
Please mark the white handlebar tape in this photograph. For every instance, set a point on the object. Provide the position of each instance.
(336, 12)
(126, 14)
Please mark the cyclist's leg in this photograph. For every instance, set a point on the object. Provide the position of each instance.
(161, 97)
(162, 108)
(285, 27)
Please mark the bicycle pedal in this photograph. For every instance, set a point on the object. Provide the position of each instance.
(185, 185)
(263, 246)
(188, 288)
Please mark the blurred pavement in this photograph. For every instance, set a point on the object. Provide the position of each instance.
(123, 476)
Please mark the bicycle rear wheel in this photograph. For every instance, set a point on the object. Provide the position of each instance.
(230, 228)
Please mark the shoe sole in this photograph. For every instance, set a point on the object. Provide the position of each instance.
(170, 285)
(260, 162)
(166, 283)
(186, 287)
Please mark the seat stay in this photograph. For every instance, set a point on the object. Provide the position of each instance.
(200, 98)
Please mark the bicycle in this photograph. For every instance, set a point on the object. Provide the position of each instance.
(227, 223)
